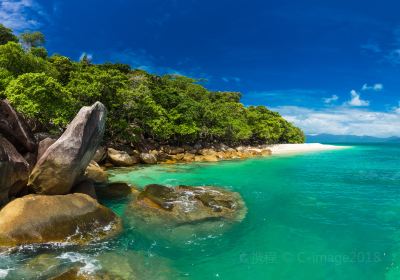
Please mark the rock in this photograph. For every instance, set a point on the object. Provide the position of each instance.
(182, 212)
(85, 187)
(188, 157)
(120, 158)
(31, 159)
(207, 152)
(73, 218)
(100, 155)
(66, 160)
(75, 273)
(131, 265)
(14, 171)
(44, 265)
(117, 190)
(95, 173)
(15, 129)
(210, 158)
(176, 150)
(148, 158)
(44, 145)
(266, 152)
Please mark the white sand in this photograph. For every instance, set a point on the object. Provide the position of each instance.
(283, 149)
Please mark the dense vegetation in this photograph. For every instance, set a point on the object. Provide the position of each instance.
(49, 90)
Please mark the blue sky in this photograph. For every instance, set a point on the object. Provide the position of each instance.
(329, 66)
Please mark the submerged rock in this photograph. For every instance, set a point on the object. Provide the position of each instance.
(76, 274)
(14, 171)
(128, 265)
(14, 128)
(73, 218)
(121, 158)
(182, 211)
(64, 161)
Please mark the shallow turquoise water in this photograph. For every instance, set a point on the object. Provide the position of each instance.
(324, 215)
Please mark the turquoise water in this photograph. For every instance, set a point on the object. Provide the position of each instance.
(323, 215)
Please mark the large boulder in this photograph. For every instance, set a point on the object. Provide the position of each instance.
(120, 158)
(66, 160)
(14, 171)
(73, 218)
(15, 129)
(179, 213)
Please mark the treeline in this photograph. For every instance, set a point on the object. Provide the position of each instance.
(169, 109)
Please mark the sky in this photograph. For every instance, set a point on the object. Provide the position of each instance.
(329, 66)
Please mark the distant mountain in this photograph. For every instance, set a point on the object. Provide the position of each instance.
(330, 138)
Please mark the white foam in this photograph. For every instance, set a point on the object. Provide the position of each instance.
(91, 265)
(4, 273)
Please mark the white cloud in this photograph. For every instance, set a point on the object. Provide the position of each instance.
(356, 100)
(397, 109)
(331, 99)
(21, 14)
(375, 87)
(343, 120)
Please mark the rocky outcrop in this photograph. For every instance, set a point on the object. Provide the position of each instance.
(14, 128)
(184, 211)
(66, 160)
(14, 171)
(73, 218)
(120, 158)
(95, 173)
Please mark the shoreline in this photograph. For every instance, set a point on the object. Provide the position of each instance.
(292, 149)
(174, 155)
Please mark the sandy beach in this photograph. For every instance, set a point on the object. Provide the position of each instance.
(282, 149)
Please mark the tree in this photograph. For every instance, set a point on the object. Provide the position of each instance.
(32, 39)
(39, 52)
(6, 35)
(14, 59)
(64, 67)
(41, 97)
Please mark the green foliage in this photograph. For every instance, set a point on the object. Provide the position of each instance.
(39, 52)
(64, 67)
(167, 109)
(14, 59)
(6, 35)
(41, 97)
(32, 39)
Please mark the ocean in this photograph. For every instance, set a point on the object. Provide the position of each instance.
(320, 215)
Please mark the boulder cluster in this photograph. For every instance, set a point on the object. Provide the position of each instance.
(49, 192)
(46, 185)
(185, 154)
